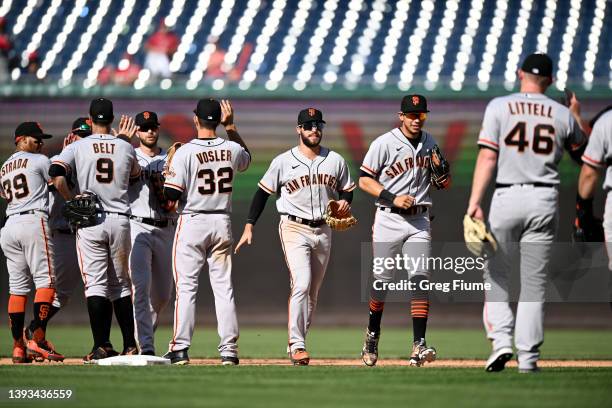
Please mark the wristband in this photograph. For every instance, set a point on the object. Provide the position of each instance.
(387, 195)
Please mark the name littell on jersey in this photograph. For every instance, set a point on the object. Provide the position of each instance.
(306, 181)
(528, 108)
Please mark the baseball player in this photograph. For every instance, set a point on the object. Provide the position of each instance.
(152, 231)
(104, 165)
(396, 171)
(26, 243)
(200, 177)
(304, 178)
(523, 135)
(64, 244)
(597, 156)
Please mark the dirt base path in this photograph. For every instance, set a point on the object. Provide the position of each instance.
(358, 363)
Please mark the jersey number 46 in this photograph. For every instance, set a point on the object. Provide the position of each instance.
(543, 138)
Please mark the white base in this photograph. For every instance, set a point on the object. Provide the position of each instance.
(138, 360)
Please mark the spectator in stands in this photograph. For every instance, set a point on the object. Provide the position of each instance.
(127, 71)
(215, 68)
(160, 47)
(33, 64)
(6, 46)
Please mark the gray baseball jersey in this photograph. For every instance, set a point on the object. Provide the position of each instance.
(303, 186)
(400, 167)
(103, 165)
(24, 179)
(530, 129)
(203, 170)
(143, 201)
(598, 152)
(56, 203)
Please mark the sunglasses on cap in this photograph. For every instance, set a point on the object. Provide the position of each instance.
(147, 128)
(414, 116)
(313, 125)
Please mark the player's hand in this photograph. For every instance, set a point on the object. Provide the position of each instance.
(227, 113)
(403, 201)
(70, 138)
(475, 211)
(247, 237)
(127, 128)
(574, 105)
(344, 208)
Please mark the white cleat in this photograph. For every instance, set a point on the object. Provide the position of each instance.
(498, 359)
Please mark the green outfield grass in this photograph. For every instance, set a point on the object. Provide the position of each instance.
(318, 386)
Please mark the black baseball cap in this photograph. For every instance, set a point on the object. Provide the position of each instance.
(82, 127)
(414, 104)
(538, 64)
(31, 129)
(146, 118)
(310, 115)
(209, 110)
(101, 110)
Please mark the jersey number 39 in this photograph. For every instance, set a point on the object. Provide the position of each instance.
(543, 138)
(19, 186)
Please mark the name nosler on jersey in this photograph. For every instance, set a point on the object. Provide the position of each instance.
(529, 131)
(203, 170)
(24, 179)
(305, 186)
(400, 167)
(103, 165)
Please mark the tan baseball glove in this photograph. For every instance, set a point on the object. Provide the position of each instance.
(337, 221)
(477, 238)
(166, 172)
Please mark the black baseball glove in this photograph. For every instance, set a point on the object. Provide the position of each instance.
(81, 211)
(440, 169)
(587, 228)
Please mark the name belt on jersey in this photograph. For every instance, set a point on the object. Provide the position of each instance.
(14, 165)
(403, 166)
(305, 181)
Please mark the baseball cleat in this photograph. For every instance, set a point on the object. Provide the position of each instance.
(230, 360)
(130, 351)
(422, 354)
(498, 359)
(41, 349)
(369, 353)
(533, 370)
(99, 353)
(147, 353)
(178, 357)
(20, 355)
(299, 357)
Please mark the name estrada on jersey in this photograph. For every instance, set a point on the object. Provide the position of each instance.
(529, 131)
(103, 165)
(24, 179)
(203, 171)
(304, 187)
(400, 167)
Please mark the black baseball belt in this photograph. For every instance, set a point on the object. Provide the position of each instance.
(151, 221)
(304, 221)
(417, 209)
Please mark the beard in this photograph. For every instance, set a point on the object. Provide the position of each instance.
(310, 144)
(148, 144)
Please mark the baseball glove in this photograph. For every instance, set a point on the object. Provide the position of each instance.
(157, 181)
(440, 169)
(587, 228)
(477, 238)
(81, 210)
(335, 220)
(167, 171)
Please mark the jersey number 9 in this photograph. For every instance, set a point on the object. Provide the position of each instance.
(222, 185)
(105, 170)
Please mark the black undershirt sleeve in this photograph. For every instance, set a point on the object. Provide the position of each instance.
(364, 174)
(57, 171)
(172, 194)
(346, 195)
(257, 205)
